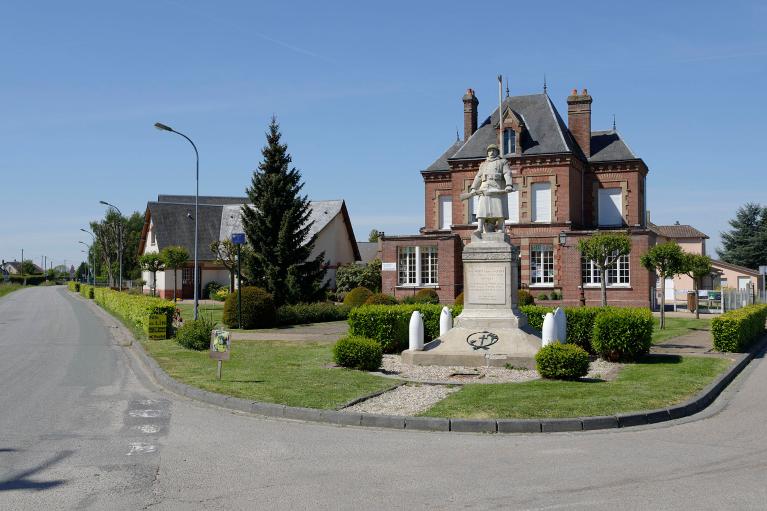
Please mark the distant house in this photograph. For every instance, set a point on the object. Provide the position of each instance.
(14, 268)
(169, 221)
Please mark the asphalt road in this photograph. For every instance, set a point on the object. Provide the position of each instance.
(81, 427)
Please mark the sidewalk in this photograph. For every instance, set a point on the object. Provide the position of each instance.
(698, 343)
(328, 332)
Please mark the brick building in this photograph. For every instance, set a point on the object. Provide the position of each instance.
(569, 182)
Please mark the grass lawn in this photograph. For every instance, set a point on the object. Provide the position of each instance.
(271, 371)
(8, 288)
(678, 326)
(216, 311)
(656, 382)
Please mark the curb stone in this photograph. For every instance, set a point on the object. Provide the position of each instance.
(686, 409)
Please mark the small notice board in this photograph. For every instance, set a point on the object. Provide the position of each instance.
(158, 326)
(219, 345)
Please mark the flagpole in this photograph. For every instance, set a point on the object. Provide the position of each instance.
(500, 114)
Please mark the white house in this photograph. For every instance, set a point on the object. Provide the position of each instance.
(169, 221)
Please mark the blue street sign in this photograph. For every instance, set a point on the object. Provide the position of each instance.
(238, 238)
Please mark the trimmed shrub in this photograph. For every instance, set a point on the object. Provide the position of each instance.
(32, 280)
(220, 294)
(380, 299)
(734, 331)
(423, 296)
(388, 324)
(210, 288)
(86, 291)
(525, 298)
(459, 299)
(358, 353)
(580, 322)
(73, 286)
(555, 295)
(354, 275)
(357, 296)
(134, 308)
(562, 361)
(622, 334)
(303, 313)
(542, 297)
(258, 310)
(195, 334)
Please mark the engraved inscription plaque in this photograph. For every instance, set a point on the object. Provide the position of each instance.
(486, 284)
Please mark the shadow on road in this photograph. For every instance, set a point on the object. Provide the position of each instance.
(20, 481)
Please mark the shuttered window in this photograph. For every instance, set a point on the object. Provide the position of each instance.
(610, 206)
(541, 207)
(445, 211)
(513, 205)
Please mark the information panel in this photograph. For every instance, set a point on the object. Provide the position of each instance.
(158, 326)
(486, 284)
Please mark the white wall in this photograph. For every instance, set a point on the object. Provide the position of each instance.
(334, 240)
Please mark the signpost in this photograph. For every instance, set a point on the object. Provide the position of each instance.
(238, 239)
(220, 345)
(158, 326)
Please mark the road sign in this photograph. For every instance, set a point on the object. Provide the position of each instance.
(158, 326)
(238, 238)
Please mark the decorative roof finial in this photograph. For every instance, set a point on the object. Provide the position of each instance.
(457, 137)
(614, 122)
(507, 87)
(545, 88)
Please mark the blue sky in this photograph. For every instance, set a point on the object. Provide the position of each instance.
(367, 95)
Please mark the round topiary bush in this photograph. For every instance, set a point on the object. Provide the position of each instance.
(562, 361)
(357, 296)
(358, 353)
(459, 299)
(426, 296)
(525, 298)
(209, 289)
(258, 310)
(381, 299)
(622, 334)
(195, 334)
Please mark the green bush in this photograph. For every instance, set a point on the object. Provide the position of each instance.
(562, 361)
(354, 275)
(358, 353)
(134, 308)
(380, 299)
(195, 334)
(303, 313)
(388, 324)
(580, 322)
(357, 296)
(543, 297)
(555, 295)
(73, 286)
(459, 299)
(423, 296)
(258, 310)
(525, 298)
(210, 288)
(86, 291)
(32, 280)
(220, 294)
(622, 334)
(734, 331)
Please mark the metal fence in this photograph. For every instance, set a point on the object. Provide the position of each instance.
(712, 301)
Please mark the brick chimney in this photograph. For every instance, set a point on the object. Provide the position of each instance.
(579, 119)
(470, 103)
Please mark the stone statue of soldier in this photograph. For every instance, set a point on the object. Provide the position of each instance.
(491, 185)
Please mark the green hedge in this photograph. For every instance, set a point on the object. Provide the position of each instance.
(311, 313)
(135, 308)
(86, 291)
(562, 361)
(580, 322)
(32, 280)
(622, 334)
(358, 353)
(734, 331)
(73, 286)
(388, 324)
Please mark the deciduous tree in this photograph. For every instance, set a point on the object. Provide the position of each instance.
(604, 249)
(665, 260)
(174, 257)
(152, 263)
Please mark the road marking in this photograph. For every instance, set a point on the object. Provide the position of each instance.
(148, 428)
(140, 448)
(147, 414)
(146, 402)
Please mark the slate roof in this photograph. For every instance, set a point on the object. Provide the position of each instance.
(368, 250)
(609, 146)
(203, 199)
(677, 231)
(321, 214)
(440, 164)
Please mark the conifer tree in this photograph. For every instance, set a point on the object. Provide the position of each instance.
(746, 243)
(277, 228)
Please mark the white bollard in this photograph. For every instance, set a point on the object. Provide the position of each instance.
(561, 321)
(445, 321)
(415, 332)
(549, 330)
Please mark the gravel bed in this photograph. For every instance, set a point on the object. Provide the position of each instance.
(603, 370)
(406, 400)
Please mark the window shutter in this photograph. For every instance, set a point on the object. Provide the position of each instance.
(445, 211)
(541, 202)
(513, 205)
(610, 206)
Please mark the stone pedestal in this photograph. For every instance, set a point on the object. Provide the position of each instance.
(491, 330)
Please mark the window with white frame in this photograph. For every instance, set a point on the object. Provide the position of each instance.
(513, 205)
(541, 264)
(417, 266)
(617, 276)
(445, 211)
(509, 141)
(541, 204)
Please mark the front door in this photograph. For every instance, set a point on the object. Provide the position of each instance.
(187, 283)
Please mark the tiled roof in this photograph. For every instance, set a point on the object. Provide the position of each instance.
(742, 269)
(677, 231)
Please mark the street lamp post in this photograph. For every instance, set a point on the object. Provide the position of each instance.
(119, 239)
(91, 256)
(163, 127)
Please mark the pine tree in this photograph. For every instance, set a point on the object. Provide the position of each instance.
(746, 244)
(277, 228)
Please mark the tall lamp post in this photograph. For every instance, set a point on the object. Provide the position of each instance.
(119, 239)
(93, 256)
(163, 127)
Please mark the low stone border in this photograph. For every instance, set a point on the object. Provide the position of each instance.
(690, 407)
